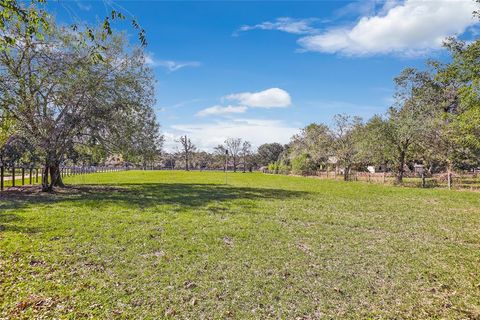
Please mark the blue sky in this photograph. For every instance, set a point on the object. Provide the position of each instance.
(263, 70)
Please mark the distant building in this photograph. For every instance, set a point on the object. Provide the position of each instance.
(376, 169)
(418, 168)
(115, 160)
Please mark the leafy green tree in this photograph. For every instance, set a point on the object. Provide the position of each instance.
(315, 140)
(345, 146)
(409, 119)
(303, 164)
(268, 153)
(373, 147)
(59, 96)
(7, 127)
(37, 22)
(463, 74)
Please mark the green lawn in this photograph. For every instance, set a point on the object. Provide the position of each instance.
(184, 245)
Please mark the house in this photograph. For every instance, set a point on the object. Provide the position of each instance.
(115, 160)
(375, 169)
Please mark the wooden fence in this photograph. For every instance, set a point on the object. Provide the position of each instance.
(464, 180)
(21, 176)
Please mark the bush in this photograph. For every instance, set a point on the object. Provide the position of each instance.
(303, 165)
(273, 167)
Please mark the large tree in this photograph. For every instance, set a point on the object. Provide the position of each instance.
(373, 146)
(268, 153)
(410, 118)
(345, 132)
(314, 142)
(463, 78)
(59, 95)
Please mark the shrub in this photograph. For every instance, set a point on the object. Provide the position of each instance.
(303, 165)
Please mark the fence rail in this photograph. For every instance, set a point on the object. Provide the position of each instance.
(464, 180)
(22, 176)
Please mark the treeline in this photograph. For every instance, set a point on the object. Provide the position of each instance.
(71, 95)
(434, 121)
(234, 154)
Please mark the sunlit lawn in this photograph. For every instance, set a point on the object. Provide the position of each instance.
(149, 244)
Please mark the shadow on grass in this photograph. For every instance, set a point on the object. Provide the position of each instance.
(180, 196)
(12, 222)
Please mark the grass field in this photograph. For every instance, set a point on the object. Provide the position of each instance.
(184, 245)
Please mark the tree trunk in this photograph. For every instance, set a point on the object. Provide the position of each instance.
(401, 164)
(234, 164)
(51, 177)
(186, 161)
(45, 184)
(56, 176)
(345, 173)
(449, 176)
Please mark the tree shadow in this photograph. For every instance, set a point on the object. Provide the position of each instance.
(12, 222)
(182, 195)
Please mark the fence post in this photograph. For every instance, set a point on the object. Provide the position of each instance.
(1, 177)
(13, 175)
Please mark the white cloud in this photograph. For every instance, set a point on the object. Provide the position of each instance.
(208, 135)
(285, 24)
(220, 110)
(83, 6)
(170, 65)
(414, 27)
(270, 98)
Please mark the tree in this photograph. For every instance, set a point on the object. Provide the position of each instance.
(315, 141)
(303, 164)
(374, 147)
(220, 154)
(187, 148)
(409, 119)
(245, 153)
(37, 22)
(17, 149)
(345, 133)
(147, 141)
(463, 79)
(233, 145)
(268, 153)
(7, 127)
(204, 160)
(60, 97)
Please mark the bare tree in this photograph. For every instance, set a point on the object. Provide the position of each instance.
(233, 145)
(220, 154)
(245, 153)
(187, 148)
